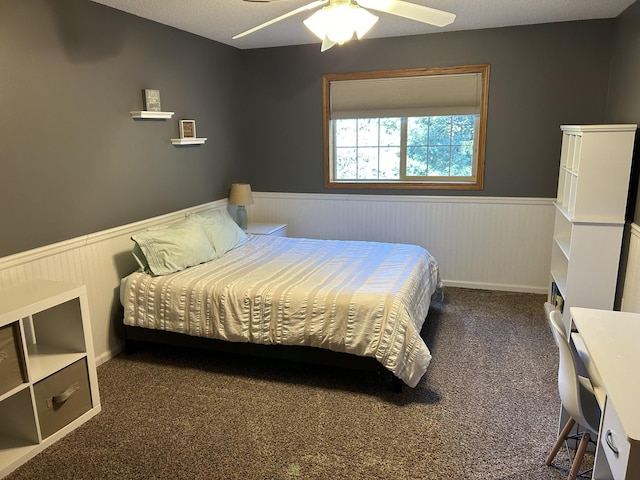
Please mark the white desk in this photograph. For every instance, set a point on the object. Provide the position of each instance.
(612, 341)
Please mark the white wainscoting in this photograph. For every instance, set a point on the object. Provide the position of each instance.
(96, 260)
(479, 242)
(493, 243)
(631, 292)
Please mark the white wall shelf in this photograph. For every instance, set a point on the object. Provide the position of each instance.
(188, 141)
(149, 115)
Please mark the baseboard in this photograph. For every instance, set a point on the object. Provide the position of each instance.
(109, 354)
(497, 286)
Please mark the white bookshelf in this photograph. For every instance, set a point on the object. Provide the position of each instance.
(595, 165)
(51, 340)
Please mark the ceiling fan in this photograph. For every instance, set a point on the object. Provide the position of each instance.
(338, 20)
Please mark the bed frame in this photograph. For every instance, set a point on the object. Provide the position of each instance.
(303, 354)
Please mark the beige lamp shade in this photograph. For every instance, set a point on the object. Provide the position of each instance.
(240, 194)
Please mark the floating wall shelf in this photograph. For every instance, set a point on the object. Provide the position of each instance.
(151, 115)
(188, 141)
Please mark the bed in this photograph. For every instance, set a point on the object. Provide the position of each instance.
(365, 299)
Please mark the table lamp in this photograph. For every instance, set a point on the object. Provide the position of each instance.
(240, 196)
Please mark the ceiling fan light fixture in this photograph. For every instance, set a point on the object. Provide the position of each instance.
(318, 23)
(363, 21)
(339, 21)
(341, 28)
(326, 44)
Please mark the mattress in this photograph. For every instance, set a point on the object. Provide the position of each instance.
(364, 298)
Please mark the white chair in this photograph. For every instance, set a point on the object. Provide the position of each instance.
(576, 394)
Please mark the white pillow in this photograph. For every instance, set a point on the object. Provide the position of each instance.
(224, 234)
(173, 248)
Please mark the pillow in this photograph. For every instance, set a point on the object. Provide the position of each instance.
(224, 234)
(139, 256)
(173, 248)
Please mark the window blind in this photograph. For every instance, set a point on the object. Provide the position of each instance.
(419, 96)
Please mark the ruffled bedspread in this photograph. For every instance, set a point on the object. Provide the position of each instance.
(364, 298)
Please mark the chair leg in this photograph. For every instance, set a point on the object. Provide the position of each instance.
(565, 431)
(577, 460)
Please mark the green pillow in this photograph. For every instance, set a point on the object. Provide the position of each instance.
(224, 234)
(173, 248)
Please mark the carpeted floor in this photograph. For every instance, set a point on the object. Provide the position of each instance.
(486, 409)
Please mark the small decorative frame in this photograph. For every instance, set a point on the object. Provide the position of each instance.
(187, 129)
(151, 100)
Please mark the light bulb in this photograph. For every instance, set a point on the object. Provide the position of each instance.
(341, 23)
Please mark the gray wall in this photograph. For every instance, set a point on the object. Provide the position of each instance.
(542, 76)
(72, 159)
(624, 96)
(74, 162)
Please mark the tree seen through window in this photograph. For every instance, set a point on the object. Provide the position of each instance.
(379, 149)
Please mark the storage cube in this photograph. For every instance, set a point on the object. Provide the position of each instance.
(62, 397)
(12, 372)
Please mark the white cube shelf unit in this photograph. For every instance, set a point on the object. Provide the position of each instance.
(50, 385)
(595, 165)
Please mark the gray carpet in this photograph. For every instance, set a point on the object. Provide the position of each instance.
(486, 409)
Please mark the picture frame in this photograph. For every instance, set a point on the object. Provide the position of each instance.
(187, 129)
(151, 100)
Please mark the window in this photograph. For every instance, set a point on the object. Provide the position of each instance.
(406, 129)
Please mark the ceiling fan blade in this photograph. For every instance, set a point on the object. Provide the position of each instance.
(439, 18)
(326, 44)
(309, 6)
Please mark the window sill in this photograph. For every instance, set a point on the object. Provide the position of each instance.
(478, 185)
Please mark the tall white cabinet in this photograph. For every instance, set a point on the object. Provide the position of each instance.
(48, 380)
(595, 165)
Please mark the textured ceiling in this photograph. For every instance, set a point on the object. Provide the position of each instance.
(222, 19)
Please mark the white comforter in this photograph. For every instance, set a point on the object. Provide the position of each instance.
(364, 298)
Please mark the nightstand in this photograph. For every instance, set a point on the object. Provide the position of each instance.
(274, 229)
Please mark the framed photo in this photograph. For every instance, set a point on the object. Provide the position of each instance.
(187, 129)
(151, 100)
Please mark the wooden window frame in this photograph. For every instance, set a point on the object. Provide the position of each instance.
(446, 182)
